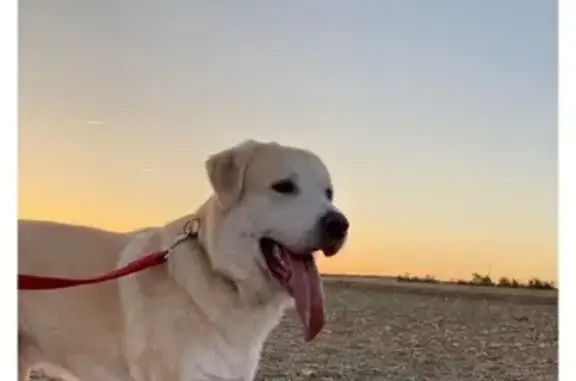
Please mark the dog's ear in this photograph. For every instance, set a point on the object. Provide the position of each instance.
(226, 171)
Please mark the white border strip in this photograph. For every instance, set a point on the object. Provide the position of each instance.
(8, 200)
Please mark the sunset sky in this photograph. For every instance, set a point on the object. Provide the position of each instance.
(436, 118)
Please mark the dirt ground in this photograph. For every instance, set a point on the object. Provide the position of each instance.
(381, 330)
(387, 331)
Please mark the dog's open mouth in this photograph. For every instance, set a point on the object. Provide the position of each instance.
(298, 274)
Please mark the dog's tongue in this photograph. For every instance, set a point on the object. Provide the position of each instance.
(307, 291)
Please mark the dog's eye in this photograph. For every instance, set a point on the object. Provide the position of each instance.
(329, 194)
(284, 187)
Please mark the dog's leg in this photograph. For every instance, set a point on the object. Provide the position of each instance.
(29, 355)
(57, 373)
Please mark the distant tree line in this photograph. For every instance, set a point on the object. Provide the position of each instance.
(483, 280)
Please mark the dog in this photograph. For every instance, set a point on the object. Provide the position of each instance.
(204, 314)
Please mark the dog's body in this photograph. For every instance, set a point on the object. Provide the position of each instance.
(206, 313)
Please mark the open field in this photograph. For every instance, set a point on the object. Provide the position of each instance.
(378, 329)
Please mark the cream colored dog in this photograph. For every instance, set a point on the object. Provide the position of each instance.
(205, 314)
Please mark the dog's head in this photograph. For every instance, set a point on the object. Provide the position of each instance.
(272, 210)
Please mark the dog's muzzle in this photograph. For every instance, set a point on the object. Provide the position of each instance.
(333, 231)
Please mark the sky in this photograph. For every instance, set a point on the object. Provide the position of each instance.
(437, 119)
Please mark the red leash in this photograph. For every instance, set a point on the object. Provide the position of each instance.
(34, 282)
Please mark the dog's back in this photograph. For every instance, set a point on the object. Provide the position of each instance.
(56, 249)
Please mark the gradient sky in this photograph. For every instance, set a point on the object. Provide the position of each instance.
(436, 118)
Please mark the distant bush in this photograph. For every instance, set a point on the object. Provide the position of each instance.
(482, 280)
(430, 279)
(509, 283)
(415, 279)
(504, 282)
(540, 284)
(403, 278)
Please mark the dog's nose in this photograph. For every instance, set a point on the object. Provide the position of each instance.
(335, 225)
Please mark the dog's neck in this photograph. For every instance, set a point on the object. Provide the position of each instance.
(193, 268)
(190, 264)
(234, 308)
(207, 216)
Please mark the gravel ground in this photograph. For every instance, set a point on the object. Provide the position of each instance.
(380, 331)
